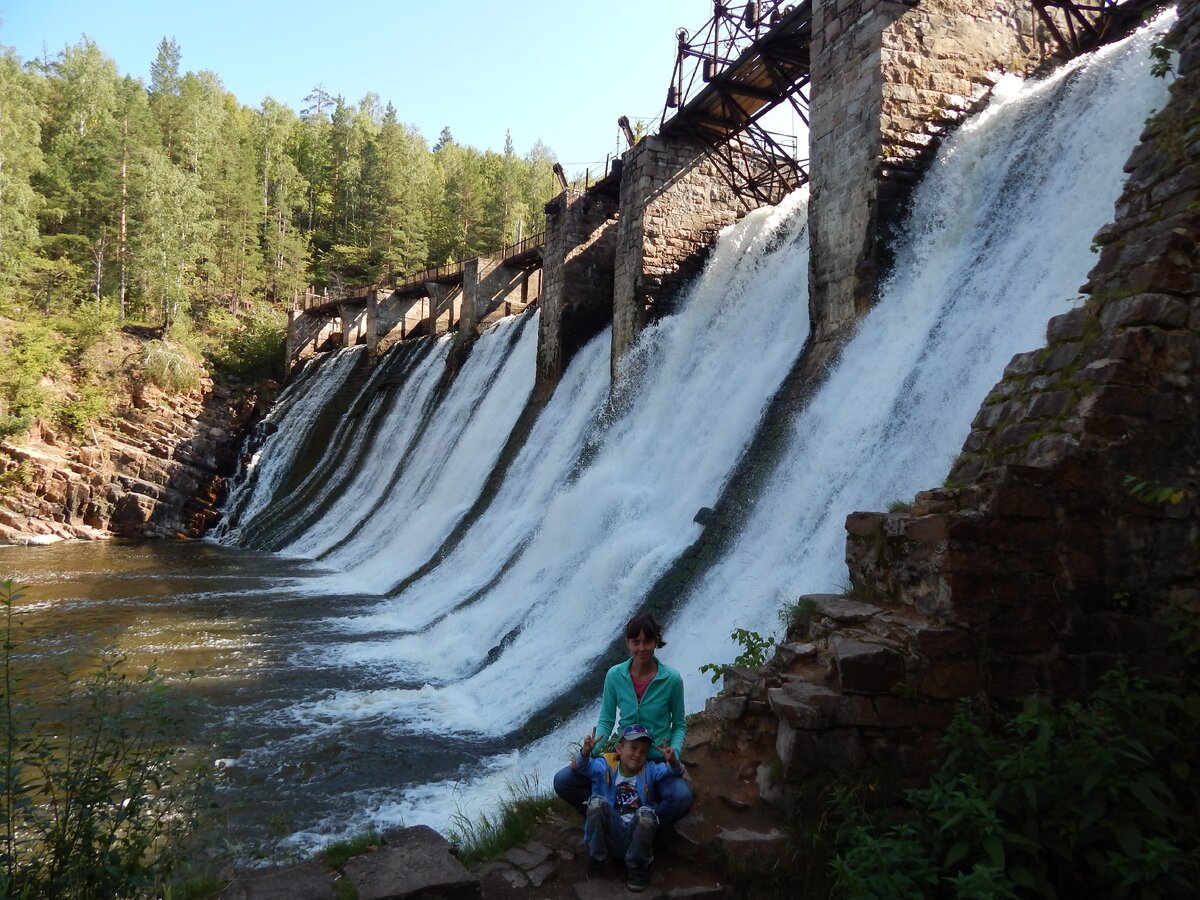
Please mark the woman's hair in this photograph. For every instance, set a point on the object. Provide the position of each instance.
(644, 623)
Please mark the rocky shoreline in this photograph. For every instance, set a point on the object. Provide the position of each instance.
(157, 467)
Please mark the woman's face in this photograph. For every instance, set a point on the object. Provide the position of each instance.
(641, 648)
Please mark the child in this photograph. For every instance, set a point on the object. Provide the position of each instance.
(620, 811)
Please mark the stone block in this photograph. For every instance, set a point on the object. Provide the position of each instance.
(842, 610)
(529, 856)
(894, 712)
(415, 862)
(1161, 310)
(804, 705)
(864, 524)
(739, 680)
(864, 668)
(936, 642)
(787, 655)
(729, 707)
(747, 849)
(928, 529)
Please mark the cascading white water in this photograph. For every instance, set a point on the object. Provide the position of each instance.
(413, 489)
(998, 241)
(292, 417)
(601, 499)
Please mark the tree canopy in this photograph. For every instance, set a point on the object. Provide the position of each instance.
(169, 199)
(171, 209)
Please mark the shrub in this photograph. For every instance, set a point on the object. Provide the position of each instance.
(78, 414)
(169, 368)
(91, 323)
(250, 348)
(30, 353)
(96, 800)
(1093, 799)
(755, 649)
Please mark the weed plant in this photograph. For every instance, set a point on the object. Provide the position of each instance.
(97, 799)
(1080, 799)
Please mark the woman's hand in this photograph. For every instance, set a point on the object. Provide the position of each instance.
(586, 745)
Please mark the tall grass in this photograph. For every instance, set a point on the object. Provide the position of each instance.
(512, 823)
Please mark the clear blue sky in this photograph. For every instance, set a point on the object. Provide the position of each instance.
(559, 72)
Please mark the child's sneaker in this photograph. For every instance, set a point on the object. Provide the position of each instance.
(595, 869)
(638, 879)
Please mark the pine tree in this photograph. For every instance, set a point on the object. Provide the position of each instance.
(20, 160)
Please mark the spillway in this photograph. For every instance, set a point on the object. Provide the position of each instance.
(490, 653)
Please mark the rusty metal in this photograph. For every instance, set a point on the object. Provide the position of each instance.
(1082, 25)
(739, 66)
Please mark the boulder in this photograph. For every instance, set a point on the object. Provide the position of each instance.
(414, 863)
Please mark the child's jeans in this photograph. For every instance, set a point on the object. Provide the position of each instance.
(606, 833)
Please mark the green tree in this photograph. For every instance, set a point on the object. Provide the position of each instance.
(165, 86)
(20, 161)
(173, 239)
(284, 202)
(82, 150)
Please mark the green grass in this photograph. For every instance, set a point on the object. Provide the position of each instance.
(338, 852)
(511, 824)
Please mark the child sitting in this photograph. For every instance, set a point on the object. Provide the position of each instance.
(620, 812)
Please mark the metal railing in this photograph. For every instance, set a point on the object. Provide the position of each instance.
(452, 269)
(314, 299)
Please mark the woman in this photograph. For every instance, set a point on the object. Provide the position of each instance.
(648, 692)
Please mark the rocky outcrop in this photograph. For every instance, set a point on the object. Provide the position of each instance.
(156, 467)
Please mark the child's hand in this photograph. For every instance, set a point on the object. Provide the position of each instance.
(586, 745)
(668, 753)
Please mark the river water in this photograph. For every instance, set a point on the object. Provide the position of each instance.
(348, 683)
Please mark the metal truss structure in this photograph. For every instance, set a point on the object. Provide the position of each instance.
(739, 66)
(1082, 25)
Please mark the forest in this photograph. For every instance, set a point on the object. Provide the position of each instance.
(172, 211)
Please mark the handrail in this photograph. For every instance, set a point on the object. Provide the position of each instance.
(313, 299)
(433, 273)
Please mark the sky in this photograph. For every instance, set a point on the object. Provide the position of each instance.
(560, 72)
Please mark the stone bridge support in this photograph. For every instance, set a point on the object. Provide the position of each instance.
(308, 334)
(577, 279)
(392, 318)
(445, 306)
(673, 203)
(489, 287)
(354, 323)
(889, 78)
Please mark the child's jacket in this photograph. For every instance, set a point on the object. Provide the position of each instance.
(603, 772)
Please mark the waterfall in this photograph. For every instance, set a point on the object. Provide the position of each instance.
(484, 652)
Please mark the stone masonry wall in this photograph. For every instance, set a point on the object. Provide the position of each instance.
(1044, 559)
(673, 203)
(577, 279)
(888, 80)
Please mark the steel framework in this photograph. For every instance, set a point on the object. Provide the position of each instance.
(739, 66)
(1081, 26)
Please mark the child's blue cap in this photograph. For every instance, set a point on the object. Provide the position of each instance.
(636, 733)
